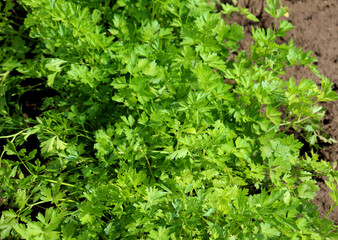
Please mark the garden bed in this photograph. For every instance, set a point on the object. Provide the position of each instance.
(154, 124)
(316, 30)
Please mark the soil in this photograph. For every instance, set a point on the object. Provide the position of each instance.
(316, 30)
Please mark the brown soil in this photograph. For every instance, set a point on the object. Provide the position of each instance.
(316, 30)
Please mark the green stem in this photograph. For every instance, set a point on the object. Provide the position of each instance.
(62, 183)
(149, 166)
(25, 165)
(5, 75)
(232, 180)
(331, 209)
(3, 152)
(14, 135)
(289, 123)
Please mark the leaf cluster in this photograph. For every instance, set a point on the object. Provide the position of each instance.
(144, 137)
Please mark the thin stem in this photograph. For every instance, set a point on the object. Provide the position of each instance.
(14, 135)
(331, 209)
(25, 165)
(62, 183)
(149, 166)
(232, 180)
(289, 123)
(5, 75)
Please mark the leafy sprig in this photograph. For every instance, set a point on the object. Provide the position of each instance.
(146, 138)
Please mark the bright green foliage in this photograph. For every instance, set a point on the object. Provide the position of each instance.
(145, 138)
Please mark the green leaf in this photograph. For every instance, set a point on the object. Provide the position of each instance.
(284, 26)
(54, 64)
(149, 31)
(52, 144)
(178, 154)
(51, 78)
(51, 220)
(190, 130)
(22, 230)
(280, 12)
(48, 145)
(273, 115)
(214, 61)
(248, 15)
(236, 32)
(21, 198)
(150, 69)
(228, 8)
(266, 151)
(47, 194)
(269, 231)
(160, 233)
(96, 16)
(272, 7)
